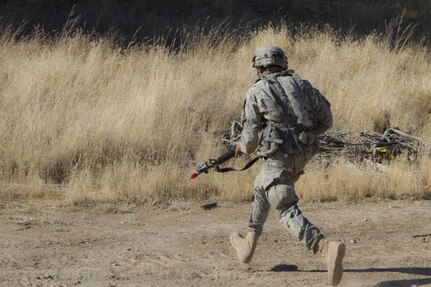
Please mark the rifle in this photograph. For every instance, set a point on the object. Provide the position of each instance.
(212, 163)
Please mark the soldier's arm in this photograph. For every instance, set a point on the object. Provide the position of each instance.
(252, 123)
(322, 113)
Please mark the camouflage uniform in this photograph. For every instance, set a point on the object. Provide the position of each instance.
(284, 146)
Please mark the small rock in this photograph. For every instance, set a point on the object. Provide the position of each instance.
(195, 275)
(129, 249)
(209, 206)
(353, 241)
(365, 219)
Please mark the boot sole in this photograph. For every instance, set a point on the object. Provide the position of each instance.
(335, 267)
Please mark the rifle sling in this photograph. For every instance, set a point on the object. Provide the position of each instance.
(228, 169)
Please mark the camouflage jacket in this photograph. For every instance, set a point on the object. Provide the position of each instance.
(268, 127)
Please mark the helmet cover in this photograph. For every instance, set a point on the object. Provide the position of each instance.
(270, 56)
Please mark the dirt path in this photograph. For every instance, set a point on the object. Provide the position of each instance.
(184, 245)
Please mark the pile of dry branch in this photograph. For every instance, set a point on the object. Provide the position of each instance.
(371, 145)
(356, 146)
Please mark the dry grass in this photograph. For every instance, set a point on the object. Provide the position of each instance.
(345, 181)
(103, 123)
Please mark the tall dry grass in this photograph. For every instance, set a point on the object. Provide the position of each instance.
(83, 119)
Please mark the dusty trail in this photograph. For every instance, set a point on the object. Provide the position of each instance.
(389, 244)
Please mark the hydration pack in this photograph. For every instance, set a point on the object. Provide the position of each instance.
(292, 132)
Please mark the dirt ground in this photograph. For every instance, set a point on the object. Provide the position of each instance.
(388, 244)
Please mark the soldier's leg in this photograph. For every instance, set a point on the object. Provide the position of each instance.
(311, 237)
(259, 210)
(246, 245)
(282, 196)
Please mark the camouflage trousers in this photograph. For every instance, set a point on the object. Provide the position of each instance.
(275, 186)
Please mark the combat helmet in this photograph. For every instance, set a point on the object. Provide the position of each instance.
(270, 56)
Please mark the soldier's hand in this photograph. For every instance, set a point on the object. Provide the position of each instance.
(237, 149)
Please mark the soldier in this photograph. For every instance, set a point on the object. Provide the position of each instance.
(282, 117)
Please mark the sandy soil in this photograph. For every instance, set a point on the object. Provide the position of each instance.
(388, 244)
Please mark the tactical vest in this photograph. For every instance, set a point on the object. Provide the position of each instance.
(290, 117)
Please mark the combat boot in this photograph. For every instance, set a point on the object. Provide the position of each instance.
(334, 253)
(244, 247)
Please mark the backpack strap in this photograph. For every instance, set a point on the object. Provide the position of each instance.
(306, 91)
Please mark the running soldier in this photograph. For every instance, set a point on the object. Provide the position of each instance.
(282, 117)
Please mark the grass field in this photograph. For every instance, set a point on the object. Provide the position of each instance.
(84, 119)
